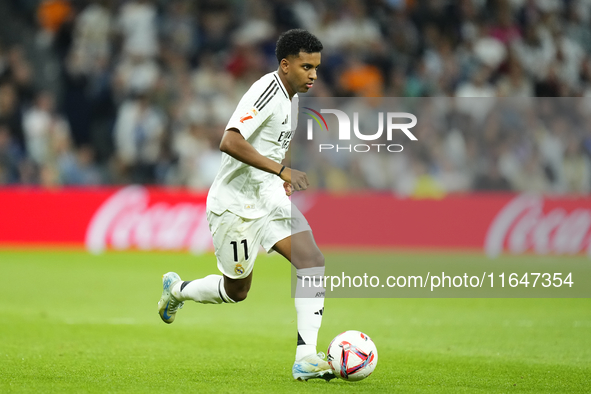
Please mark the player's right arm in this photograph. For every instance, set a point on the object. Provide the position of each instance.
(255, 107)
(234, 144)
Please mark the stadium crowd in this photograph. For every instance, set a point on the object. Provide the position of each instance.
(139, 91)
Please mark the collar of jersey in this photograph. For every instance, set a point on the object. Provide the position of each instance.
(283, 86)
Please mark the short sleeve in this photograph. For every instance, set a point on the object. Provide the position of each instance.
(255, 107)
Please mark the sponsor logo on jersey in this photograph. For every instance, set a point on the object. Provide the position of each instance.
(285, 138)
(245, 117)
(249, 115)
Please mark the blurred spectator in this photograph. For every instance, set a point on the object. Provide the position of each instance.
(92, 33)
(490, 49)
(137, 23)
(103, 109)
(424, 184)
(505, 29)
(9, 157)
(78, 168)
(577, 168)
(535, 50)
(180, 28)
(551, 86)
(515, 83)
(531, 176)
(452, 177)
(51, 14)
(360, 79)
(20, 74)
(257, 27)
(551, 145)
(76, 101)
(353, 31)
(194, 60)
(43, 128)
(569, 56)
(492, 180)
(139, 133)
(215, 19)
(4, 67)
(136, 74)
(577, 24)
(10, 114)
(198, 161)
(209, 80)
(477, 87)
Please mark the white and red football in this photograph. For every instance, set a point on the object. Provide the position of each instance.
(352, 355)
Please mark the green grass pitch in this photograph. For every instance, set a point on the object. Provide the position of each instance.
(73, 322)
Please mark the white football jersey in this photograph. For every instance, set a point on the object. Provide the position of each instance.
(264, 119)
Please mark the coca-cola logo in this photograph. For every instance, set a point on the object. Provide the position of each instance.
(522, 225)
(126, 220)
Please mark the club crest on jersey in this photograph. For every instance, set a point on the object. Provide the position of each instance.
(239, 269)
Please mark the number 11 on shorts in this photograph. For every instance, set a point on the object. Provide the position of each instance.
(235, 245)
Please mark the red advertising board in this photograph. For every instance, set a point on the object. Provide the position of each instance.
(490, 222)
(135, 217)
(131, 217)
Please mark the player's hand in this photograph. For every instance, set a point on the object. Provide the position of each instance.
(297, 179)
(288, 189)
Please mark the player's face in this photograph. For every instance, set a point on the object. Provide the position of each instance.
(301, 72)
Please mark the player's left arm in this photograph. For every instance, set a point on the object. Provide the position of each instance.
(234, 144)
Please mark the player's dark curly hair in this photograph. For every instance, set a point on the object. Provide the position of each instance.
(295, 40)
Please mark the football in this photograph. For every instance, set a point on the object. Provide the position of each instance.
(352, 355)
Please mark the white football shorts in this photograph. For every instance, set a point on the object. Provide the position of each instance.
(237, 240)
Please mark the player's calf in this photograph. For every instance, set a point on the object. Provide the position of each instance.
(208, 290)
(237, 289)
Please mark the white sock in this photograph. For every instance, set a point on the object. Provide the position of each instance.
(309, 304)
(208, 290)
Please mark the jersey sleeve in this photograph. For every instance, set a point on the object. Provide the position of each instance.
(255, 107)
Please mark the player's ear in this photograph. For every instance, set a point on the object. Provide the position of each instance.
(284, 64)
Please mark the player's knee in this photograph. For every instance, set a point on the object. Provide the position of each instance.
(312, 258)
(237, 295)
(318, 259)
